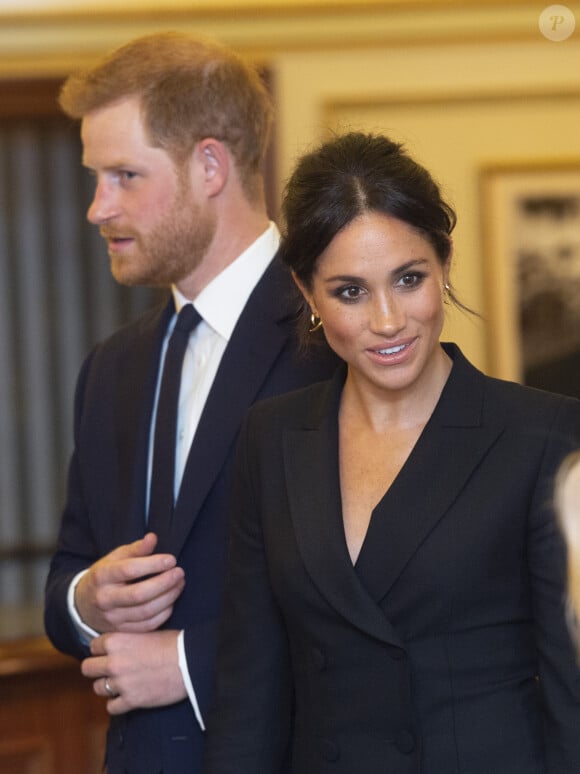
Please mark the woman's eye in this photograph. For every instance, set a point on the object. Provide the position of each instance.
(411, 280)
(350, 293)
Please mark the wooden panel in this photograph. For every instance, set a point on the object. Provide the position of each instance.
(29, 98)
(30, 755)
(52, 722)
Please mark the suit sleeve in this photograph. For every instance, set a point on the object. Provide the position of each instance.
(249, 724)
(558, 670)
(75, 550)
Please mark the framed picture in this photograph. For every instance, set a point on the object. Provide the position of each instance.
(531, 249)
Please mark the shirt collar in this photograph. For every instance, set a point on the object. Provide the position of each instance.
(221, 302)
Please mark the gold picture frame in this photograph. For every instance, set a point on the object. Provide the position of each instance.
(530, 216)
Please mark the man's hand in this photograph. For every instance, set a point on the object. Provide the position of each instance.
(131, 589)
(141, 669)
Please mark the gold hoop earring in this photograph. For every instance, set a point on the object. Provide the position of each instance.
(315, 323)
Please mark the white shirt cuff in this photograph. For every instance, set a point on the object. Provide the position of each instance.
(182, 661)
(86, 634)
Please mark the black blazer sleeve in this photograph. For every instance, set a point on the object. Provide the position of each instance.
(77, 545)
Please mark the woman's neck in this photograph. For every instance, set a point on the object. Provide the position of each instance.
(380, 409)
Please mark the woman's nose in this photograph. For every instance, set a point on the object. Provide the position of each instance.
(388, 317)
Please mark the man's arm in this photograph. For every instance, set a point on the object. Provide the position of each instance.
(131, 589)
(141, 669)
(150, 669)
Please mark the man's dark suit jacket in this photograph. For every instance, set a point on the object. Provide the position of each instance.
(444, 650)
(106, 494)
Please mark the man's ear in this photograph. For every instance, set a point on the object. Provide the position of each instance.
(213, 159)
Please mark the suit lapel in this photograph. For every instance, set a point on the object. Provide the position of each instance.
(256, 342)
(133, 410)
(449, 450)
(444, 458)
(313, 487)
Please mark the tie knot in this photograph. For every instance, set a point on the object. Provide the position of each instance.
(187, 319)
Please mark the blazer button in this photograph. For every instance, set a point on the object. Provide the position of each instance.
(405, 742)
(397, 654)
(329, 750)
(318, 659)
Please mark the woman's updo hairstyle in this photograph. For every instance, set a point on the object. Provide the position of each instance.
(351, 175)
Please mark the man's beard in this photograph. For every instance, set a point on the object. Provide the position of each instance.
(171, 251)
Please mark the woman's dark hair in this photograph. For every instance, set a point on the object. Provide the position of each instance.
(351, 175)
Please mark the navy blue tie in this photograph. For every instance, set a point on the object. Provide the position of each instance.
(161, 497)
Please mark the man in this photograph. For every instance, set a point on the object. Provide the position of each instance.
(174, 131)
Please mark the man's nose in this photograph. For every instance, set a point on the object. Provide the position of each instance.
(103, 206)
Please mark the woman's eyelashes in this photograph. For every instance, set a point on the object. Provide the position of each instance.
(348, 293)
(407, 281)
(411, 279)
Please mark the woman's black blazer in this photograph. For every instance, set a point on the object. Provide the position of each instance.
(444, 650)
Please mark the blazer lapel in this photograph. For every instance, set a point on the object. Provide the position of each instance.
(256, 342)
(133, 410)
(444, 458)
(313, 487)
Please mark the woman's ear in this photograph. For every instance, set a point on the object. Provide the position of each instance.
(306, 293)
(213, 159)
(446, 268)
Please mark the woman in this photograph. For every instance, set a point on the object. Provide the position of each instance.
(567, 501)
(394, 601)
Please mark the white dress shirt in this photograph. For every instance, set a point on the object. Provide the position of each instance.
(220, 305)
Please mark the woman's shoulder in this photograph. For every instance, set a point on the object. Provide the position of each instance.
(530, 411)
(521, 396)
(299, 408)
(293, 406)
(513, 401)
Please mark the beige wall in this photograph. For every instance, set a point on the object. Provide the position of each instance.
(468, 86)
(461, 110)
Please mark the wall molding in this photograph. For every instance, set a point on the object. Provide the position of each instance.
(52, 40)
